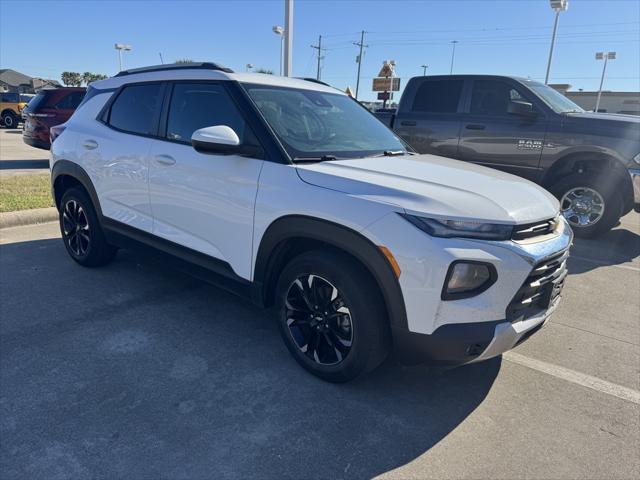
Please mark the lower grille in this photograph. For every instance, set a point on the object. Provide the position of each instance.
(541, 288)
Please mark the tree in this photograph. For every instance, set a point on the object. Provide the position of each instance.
(184, 60)
(71, 79)
(264, 70)
(88, 77)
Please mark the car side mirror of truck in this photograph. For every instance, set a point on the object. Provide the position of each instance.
(222, 140)
(524, 109)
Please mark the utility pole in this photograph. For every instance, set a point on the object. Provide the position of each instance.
(361, 45)
(453, 55)
(424, 69)
(320, 57)
(288, 37)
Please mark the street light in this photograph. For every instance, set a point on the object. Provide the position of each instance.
(557, 6)
(280, 31)
(249, 66)
(605, 57)
(424, 69)
(453, 55)
(120, 47)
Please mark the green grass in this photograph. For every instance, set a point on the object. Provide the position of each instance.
(23, 192)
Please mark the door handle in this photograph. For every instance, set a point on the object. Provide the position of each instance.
(408, 123)
(474, 126)
(90, 144)
(165, 160)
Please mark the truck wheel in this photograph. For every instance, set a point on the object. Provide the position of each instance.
(590, 207)
(331, 316)
(9, 120)
(81, 231)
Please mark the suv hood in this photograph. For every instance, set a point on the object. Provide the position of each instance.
(436, 186)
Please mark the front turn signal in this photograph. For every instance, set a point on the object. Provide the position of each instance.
(392, 261)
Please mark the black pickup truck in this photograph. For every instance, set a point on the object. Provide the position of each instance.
(590, 161)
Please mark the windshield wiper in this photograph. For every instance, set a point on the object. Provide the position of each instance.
(323, 158)
(391, 153)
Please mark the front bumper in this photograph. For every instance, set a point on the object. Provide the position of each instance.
(635, 181)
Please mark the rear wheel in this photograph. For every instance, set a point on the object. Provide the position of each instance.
(330, 316)
(81, 231)
(10, 120)
(590, 205)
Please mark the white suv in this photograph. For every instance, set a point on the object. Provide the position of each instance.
(290, 193)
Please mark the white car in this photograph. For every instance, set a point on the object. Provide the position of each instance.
(290, 193)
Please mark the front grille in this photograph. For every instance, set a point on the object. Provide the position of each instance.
(541, 288)
(532, 230)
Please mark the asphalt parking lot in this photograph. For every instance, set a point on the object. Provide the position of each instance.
(18, 158)
(138, 371)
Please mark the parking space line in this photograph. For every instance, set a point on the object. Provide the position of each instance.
(572, 376)
(605, 264)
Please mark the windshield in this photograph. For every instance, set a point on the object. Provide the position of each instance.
(313, 124)
(558, 102)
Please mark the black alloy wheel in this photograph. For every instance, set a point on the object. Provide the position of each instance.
(75, 228)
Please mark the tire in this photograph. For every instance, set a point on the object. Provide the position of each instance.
(589, 193)
(10, 120)
(81, 231)
(339, 313)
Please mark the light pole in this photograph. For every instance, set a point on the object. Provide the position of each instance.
(558, 6)
(424, 69)
(280, 31)
(605, 57)
(287, 63)
(453, 55)
(120, 47)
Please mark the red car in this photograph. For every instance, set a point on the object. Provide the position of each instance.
(49, 108)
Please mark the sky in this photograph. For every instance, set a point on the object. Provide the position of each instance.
(510, 37)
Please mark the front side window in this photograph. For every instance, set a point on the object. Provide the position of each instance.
(311, 123)
(136, 109)
(491, 97)
(198, 105)
(438, 96)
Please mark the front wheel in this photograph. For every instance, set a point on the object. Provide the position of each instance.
(330, 316)
(10, 120)
(590, 206)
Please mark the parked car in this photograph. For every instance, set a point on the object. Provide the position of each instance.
(11, 105)
(289, 193)
(50, 107)
(589, 161)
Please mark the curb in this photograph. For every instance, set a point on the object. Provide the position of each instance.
(28, 217)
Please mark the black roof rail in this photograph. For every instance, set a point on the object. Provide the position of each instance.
(175, 66)
(314, 80)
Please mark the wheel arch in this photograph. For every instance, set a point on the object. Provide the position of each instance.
(66, 174)
(607, 167)
(291, 235)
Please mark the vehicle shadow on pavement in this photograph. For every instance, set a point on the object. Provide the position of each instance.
(615, 247)
(138, 371)
(23, 164)
(16, 131)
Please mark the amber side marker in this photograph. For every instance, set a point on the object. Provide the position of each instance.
(392, 261)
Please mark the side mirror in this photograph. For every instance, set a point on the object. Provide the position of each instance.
(524, 109)
(223, 140)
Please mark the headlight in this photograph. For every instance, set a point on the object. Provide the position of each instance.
(637, 159)
(460, 228)
(467, 278)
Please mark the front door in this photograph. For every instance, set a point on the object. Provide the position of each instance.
(204, 201)
(494, 137)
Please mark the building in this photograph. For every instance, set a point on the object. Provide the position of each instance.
(12, 81)
(610, 102)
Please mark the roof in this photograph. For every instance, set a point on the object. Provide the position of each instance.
(13, 78)
(205, 71)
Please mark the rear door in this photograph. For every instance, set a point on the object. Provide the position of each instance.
(429, 118)
(493, 137)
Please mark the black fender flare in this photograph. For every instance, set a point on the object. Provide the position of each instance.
(71, 169)
(338, 236)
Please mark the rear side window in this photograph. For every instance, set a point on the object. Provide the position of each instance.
(10, 97)
(199, 105)
(438, 96)
(70, 101)
(136, 109)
